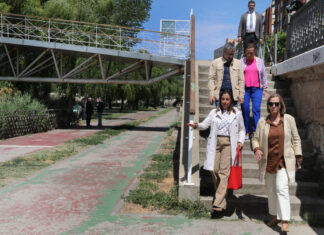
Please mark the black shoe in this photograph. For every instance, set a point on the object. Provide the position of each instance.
(217, 214)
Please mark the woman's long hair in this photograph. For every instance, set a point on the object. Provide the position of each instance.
(231, 106)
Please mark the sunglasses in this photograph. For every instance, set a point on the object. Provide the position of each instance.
(273, 103)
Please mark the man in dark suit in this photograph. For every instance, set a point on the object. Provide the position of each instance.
(250, 29)
(89, 110)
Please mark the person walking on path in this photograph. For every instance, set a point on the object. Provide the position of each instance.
(100, 107)
(226, 135)
(250, 27)
(226, 73)
(89, 110)
(256, 84)
(277, 147)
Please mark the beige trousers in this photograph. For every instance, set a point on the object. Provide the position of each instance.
(222, 169)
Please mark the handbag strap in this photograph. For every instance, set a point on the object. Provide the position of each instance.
(237, 154)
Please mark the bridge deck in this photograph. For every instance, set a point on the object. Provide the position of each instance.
(98, 44)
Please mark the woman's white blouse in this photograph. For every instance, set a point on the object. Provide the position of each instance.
(223, 128)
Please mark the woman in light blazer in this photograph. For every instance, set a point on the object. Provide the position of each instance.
(277, 147)
(227, 133)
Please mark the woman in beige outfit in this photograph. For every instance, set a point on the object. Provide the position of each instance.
(277, 147)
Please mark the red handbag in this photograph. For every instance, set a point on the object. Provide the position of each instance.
(235, 178)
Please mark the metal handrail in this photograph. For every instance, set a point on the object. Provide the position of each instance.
(306, 28)
(94, 35)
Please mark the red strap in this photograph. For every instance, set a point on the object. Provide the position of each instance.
(237, 154)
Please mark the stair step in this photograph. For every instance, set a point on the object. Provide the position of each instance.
(283, 92)
(258, 204)
(204, 83)
(254, 186)
(204, 99)
(204, 111)
(203, 69)
(307, 145)
(248, 157)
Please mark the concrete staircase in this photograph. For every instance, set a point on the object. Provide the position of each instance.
(252, 198)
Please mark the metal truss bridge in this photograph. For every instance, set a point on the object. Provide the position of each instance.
(52, 42)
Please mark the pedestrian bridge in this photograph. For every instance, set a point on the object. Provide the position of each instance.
(49, 45)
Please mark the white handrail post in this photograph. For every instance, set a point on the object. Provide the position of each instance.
(191, 137)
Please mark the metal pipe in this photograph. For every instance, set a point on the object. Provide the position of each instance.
(10, 61)
(276, 48)
(97, 81)
(32, 63)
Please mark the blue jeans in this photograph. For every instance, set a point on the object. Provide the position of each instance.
(99, 119)
(254, 94)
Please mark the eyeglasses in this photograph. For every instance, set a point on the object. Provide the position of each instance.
(273, 103)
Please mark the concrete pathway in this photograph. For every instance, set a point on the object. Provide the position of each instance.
(22, 145)
(82, 194)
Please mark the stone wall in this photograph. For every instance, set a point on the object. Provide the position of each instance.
(307, 90)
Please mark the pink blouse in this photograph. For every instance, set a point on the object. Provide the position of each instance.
(251, 74)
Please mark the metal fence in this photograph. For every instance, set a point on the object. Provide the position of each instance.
(306, 28)
(18, 125)
(94, 35)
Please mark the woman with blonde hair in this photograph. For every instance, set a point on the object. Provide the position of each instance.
(277, 147)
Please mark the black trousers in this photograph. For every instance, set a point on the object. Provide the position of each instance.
(88, 119)
(251, 38)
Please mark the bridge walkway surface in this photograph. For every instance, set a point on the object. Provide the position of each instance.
(82, 194)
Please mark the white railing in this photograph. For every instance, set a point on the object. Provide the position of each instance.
(94, 35)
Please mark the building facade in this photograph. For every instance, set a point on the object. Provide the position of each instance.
(268, 19)
(281, 15)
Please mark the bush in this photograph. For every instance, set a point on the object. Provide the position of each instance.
(20, 105)
(20, 114)
(281, 47)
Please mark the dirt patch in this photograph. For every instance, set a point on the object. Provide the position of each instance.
(166, 184)
(130, 208)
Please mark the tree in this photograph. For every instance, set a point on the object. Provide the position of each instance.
(4, 7)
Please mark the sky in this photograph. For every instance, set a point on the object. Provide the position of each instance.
(216, 20)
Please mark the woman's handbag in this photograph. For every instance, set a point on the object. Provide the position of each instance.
(235, 178)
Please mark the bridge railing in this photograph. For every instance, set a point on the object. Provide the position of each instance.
(94, 35)
(306, 28)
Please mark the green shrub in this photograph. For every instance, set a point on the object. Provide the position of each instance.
(20, 105)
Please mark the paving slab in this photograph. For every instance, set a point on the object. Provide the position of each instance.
(22, 145)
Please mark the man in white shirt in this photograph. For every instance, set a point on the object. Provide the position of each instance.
(250, 28)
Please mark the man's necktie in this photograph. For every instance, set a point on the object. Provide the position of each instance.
(251, 21)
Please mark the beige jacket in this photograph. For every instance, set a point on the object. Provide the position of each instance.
(292, 145)
(215, 78)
